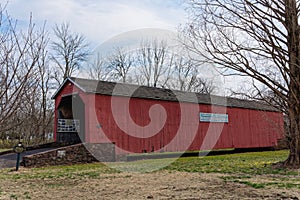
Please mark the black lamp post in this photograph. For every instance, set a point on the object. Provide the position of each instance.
(19, 148)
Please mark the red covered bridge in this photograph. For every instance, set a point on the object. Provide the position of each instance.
(145, 119)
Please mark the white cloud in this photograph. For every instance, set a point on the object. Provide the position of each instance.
(100, 20)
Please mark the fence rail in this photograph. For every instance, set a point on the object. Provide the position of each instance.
(68, 125)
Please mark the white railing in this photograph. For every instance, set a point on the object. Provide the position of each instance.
(68, 125)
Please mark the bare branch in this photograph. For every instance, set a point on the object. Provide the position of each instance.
(70, 51)
(256, 38)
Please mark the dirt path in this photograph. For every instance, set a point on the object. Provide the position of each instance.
(159, 185)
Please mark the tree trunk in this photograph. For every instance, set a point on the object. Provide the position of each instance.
(293, 160)
(293, 42)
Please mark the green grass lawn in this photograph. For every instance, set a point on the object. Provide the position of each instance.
(78, 171)
(249, 163)
(2, 150)
(228, 171)
(238, 168)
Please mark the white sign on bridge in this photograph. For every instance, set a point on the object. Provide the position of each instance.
(213, 117)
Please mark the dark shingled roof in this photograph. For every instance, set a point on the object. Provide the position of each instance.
(135, 91)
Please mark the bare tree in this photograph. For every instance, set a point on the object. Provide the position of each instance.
(25, 111)
(70, 50)
(43, 102)
(155, 62)
(185, 74)
(204, 86)
(120, 63)
(98, 69)
(186, 77)
(256, 38)
(19, 55)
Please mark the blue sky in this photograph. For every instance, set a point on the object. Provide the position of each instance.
(100, 20)
(104, 22)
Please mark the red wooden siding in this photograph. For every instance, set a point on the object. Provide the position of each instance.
(246, 128)
(67, 89)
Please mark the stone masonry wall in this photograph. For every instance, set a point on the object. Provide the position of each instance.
(74, 154)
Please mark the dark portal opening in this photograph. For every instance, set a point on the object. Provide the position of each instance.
(71, 120)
